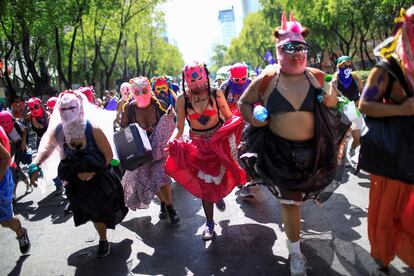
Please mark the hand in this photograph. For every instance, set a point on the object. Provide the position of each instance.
(407, 108)
(34, 178)
(86, 176)
(257, 123)
(23, 146)
(167, 147)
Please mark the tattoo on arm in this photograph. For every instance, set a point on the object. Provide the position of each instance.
(370, 93)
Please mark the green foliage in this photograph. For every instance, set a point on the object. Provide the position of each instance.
(254, 40)
(103, 31)
(363, 75)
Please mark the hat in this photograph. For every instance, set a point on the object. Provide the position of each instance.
(343, 59)
(290, 31)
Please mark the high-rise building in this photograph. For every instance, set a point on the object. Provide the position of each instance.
(227, 25)
(231, 19)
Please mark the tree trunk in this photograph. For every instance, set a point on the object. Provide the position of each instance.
(41, 86)
(70, 64)
(11, 90)
(59, 59)
(86, 75)
(137, 67)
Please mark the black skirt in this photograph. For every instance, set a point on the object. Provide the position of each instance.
(100, 199)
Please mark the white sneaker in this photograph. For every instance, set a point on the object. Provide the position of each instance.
(297, 264)
(29, 189)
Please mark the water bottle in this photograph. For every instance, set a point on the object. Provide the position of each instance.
(260, 113)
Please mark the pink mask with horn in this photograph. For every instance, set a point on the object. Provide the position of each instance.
(141, 89)
(290, 35)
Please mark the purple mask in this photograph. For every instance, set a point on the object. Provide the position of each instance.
(345, 76)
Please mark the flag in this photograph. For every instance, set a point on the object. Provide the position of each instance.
(269, 58)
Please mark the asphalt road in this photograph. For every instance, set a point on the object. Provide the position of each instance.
(250, 238)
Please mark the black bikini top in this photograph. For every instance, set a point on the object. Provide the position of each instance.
(276, 103)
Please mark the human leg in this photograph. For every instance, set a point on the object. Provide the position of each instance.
(21, 233)
(291, 221)
(208, 232)
(104, 247)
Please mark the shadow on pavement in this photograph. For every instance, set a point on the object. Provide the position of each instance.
(337, 216)
(18, 267)
(181, 251)
(52, 205)
(116, 263)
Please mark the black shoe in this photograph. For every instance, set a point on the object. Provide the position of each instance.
(172, 213)
(24, 242)
(104, 249)
(163, 211)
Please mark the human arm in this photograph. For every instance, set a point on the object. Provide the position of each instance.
(124, 116)
(374, 90)
(180, 109)
(247, 101)
(222, 105)
(4, 161)
(24, 136)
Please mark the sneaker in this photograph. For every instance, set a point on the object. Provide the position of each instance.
(221, 205)
(246, 192)
(208, 234)
(104, 249)
(297, 264)
(29, 189)
(163, 211)
(24, 242)
(172, 213)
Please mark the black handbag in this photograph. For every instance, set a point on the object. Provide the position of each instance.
(387, 149)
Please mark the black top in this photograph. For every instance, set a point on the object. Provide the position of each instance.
(352, 92)
(277, 103)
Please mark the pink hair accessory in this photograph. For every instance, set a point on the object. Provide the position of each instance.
(291, 31)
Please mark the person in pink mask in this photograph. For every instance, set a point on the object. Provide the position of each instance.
(205, 163)
(289, 139)
(50, 104)
(38, 117)
(148, 180)
(235, 85)
(125, 91)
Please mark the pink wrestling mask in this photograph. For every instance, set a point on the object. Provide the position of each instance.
(50, 104)
(88, 92)
(196, 76)
(125, 90)
(291, 46)
(238, 73)
(35, 107)
(6, 121)
(70, 108)
(141, 89)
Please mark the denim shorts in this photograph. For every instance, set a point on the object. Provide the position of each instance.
(6, 193)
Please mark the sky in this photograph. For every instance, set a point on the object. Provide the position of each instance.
(194, 25)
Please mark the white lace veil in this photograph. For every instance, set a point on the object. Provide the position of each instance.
(50, 150)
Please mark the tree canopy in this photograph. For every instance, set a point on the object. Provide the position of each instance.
(52, 45)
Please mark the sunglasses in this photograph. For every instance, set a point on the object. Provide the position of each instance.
(240, 79)
(345, 67)
(291, 48)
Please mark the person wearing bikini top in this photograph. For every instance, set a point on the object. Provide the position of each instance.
(205, 164)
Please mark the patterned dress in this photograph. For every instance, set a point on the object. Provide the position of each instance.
(141, 185)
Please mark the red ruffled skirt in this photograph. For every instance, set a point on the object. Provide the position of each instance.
(207, 166)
